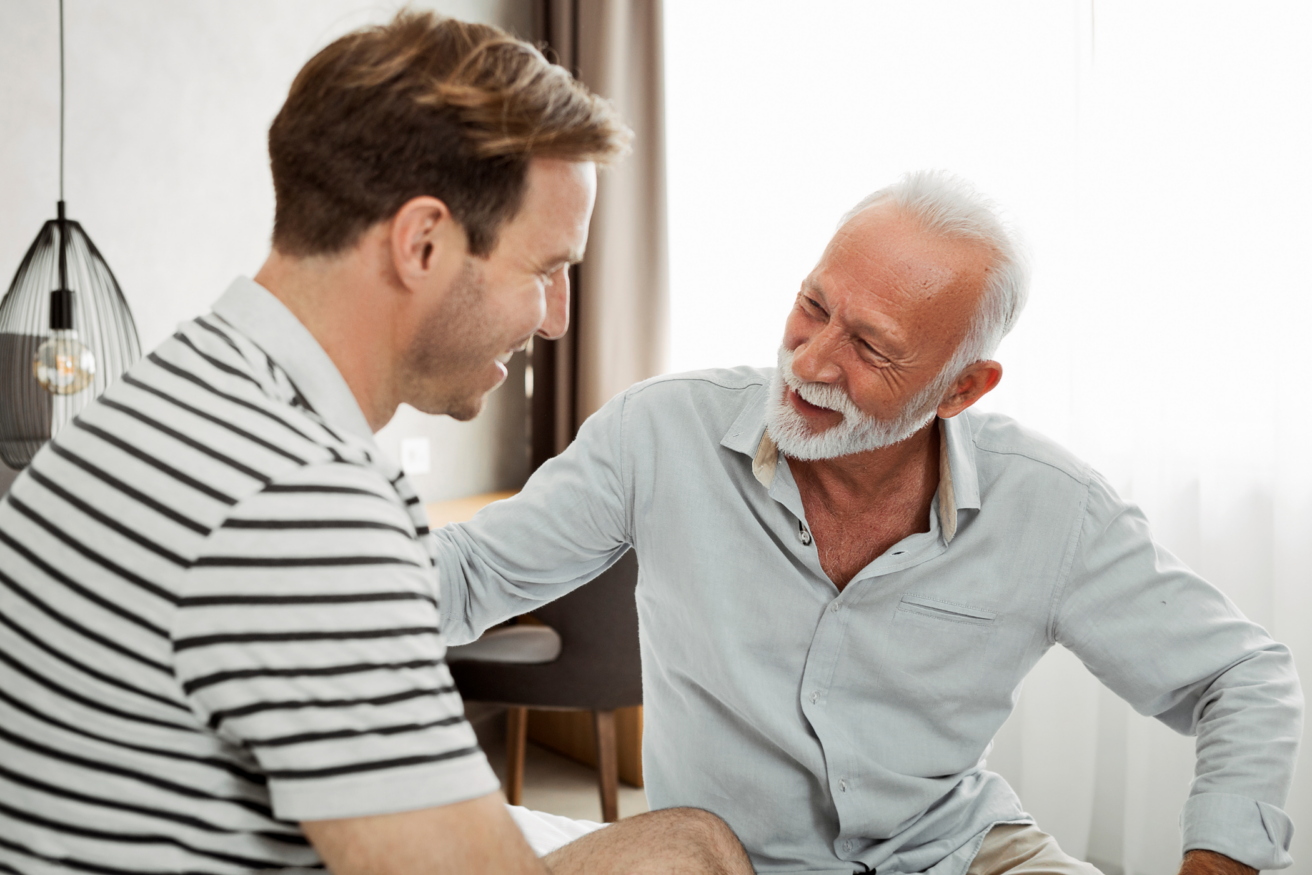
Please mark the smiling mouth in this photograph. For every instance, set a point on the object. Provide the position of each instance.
(806, 407)
(504, 357)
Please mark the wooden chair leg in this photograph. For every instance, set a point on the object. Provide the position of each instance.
(516, 733)
(607, 765)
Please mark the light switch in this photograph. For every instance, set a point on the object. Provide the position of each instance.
(415, 455)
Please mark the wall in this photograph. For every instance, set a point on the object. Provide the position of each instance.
(168, 105)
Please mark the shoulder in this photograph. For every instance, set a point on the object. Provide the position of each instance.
(1004, 446)
(329, 491)
(709, 380)
(312, 525)
(210, 410)
(710, 400)
(705, 388)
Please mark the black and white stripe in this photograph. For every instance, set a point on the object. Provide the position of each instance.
(217, 618)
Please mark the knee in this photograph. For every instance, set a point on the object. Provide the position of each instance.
(716, 844)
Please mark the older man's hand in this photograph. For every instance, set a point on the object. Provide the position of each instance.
(1200, 862)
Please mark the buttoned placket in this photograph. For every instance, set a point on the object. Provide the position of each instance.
(822, 659)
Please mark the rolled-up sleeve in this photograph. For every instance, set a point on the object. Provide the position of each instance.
(1175, 648)
(571, 521)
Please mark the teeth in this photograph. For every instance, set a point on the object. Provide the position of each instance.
(505, 356)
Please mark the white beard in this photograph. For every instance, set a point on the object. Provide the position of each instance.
(857, 433)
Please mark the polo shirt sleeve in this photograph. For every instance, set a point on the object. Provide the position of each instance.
(308, 636)
(1177, 649)
(570, 522)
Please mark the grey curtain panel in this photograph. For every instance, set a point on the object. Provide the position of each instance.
(620, 305)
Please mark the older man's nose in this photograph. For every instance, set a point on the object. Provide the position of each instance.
(556, 322)
(813, 359)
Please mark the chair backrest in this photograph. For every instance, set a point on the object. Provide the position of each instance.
(599, 666)
(601, 616)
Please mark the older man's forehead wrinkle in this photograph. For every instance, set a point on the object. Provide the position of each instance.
(852, 310)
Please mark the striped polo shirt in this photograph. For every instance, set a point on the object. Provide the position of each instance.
(218, 617)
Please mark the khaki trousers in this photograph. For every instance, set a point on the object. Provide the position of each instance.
(1024, 849)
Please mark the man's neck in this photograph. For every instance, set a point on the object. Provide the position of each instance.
(859, 506)
(849, 486)
(330, 297)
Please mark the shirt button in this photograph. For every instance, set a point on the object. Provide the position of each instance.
(834, 607)
(815, 694)
(804, 536)
(842, 785)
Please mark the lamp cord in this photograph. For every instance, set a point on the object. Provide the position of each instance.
(61, 99)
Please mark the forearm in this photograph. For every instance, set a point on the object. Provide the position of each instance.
(567, 525)
(1248, 723)
(473, 836)
(504, 566)
(1176, 649)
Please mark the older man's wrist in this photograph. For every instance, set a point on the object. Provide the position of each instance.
(1203, 862)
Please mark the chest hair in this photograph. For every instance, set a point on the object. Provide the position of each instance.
(847, 543)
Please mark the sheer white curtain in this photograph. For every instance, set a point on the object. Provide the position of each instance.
(1158, 159)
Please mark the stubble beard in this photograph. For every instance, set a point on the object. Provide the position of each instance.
(452, 348)
(859, 432)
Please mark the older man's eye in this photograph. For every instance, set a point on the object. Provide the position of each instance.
(873, 353)
(813, 304)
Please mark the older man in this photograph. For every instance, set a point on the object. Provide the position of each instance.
(846, 573)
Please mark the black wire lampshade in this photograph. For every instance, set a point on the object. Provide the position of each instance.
(66, 334)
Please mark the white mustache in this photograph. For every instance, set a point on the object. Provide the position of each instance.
(825, 395)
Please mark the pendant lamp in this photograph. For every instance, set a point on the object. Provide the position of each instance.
(65, 330)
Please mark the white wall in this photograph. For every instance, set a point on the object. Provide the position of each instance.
(168, 106)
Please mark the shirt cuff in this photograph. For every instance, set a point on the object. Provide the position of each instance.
(1254, 833)
(385, 792)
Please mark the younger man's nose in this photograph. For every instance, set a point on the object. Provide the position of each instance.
(556, 322)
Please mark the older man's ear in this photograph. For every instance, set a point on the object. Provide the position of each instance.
(974, 383)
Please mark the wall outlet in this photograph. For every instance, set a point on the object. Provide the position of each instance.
(416, 456)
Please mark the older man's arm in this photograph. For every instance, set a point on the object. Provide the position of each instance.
(1177, 649)
(569, 523)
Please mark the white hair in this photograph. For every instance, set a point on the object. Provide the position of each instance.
(949, 206)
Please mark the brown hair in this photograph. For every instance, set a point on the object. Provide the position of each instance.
(424, 105)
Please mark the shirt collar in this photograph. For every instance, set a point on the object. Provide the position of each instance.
(958, 481)
(266, 321)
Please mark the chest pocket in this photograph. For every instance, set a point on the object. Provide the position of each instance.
(941, 684)
(945, 611)
(940, 645)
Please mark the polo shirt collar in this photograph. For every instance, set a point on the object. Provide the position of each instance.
(255, 312)
(958, 481)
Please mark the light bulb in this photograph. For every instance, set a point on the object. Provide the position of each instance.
(63, 365)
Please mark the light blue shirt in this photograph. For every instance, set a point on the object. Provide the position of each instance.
(846, 732)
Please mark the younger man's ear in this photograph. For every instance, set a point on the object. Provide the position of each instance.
(425, 238)
(974, 383)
